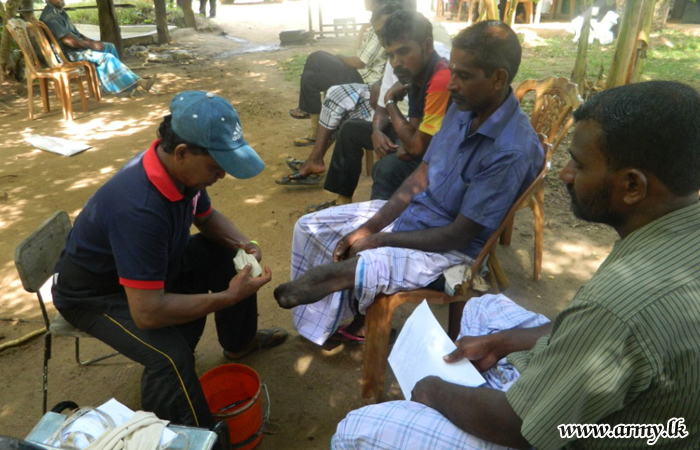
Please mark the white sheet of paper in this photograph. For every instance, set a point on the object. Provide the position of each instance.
(418, 353)
(56, 145)
(91, 424)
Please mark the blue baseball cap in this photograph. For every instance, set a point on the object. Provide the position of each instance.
(209, 121)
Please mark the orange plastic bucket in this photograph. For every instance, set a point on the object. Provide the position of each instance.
(233, 393)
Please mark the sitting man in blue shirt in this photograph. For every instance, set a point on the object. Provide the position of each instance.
(114, 76)
(132, 276)
(484, 156)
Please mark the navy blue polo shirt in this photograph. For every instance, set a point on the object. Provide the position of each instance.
(130, 231)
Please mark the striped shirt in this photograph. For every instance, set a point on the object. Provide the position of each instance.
(627, 349)
(373, 55)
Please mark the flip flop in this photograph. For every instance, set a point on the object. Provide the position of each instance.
(320, 206)
(297, 113)
(294, 163)
(297, 180)
(343, 335)
(264, 339)
(304, 141)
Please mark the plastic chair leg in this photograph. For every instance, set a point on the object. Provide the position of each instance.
(369, 159)
(83, 98)
(507, 235)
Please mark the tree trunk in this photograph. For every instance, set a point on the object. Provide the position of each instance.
(109, 28)
(578, 75)
(191, 22)
(626, 48)
(663, 7)
(8, 12)
(161, 22)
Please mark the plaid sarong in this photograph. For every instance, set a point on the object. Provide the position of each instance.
(343, 102)
(409, 425)
(114, 76)
(383, 270)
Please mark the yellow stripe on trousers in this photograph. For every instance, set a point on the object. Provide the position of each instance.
(187, 396)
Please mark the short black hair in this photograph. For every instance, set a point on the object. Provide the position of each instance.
(406, 24)
(169, 139)
(494, 46)
(384, 9)
(652, 126)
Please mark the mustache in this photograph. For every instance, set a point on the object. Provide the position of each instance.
(457, 98)
(402, 73)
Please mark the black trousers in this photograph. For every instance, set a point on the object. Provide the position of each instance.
(203, 7)
(169, 385)
(321, 71)
(388, 174)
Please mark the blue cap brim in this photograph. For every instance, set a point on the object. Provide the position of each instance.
(240, 163)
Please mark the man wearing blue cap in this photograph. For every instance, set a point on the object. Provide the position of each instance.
(132, 276)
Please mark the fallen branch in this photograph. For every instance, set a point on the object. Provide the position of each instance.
(23, 339)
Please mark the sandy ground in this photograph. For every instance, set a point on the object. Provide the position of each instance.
(311, 389)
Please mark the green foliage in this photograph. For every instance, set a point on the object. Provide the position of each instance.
(292, 67)
(143, 12)
(671, 56)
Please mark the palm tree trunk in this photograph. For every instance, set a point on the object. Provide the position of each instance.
(648, 9)
(190, 21)
(626, 48)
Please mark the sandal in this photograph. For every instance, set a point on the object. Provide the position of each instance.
(297, 113)
(294, 163)
(325, 205)
(298, 180)
(304, 141)
(263, 339)
(343, 335)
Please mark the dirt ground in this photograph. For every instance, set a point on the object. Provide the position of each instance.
(311, 388)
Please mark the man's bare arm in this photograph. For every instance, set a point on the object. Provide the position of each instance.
(217, 228)
(352, 61)
(154, 308)
(73, 42)
(481, 412)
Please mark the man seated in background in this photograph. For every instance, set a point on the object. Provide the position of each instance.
(114, 76)
(423, 75)
(484, 156)
(618, 368)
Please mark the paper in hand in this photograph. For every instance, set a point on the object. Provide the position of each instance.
(242, 259)
(419, 350)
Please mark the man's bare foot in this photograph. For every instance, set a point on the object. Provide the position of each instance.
(311, 167)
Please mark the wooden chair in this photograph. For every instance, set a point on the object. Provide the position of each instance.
(60, 76)
(378, 319)
(89, 69)
(35, 259)
(552, 115)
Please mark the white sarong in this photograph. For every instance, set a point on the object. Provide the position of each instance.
(383, 270)
(401, 425)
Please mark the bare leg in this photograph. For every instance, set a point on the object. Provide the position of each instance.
(317, 283)
(314, 163)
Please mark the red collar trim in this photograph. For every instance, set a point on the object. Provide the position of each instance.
(157, 174)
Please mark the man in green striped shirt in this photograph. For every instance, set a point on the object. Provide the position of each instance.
(625, 354)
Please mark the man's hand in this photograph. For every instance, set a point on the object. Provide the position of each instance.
(397, 92)
(482, 351)
(96, 45)
(243, 286)
(346, 242)
(253, 249)
(382, 144)
(423, 390)
(366, 243)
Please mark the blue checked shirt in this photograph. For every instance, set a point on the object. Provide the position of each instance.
(479, 176)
